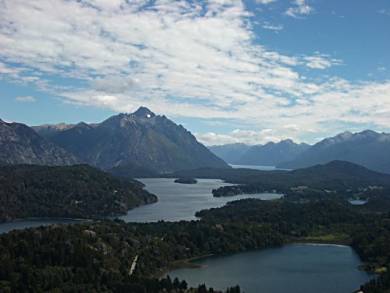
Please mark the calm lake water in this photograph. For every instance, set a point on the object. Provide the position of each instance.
(181, 201)
(295, 268)
(358, 202)
(257, 167)
(176, 202)
(29, 223)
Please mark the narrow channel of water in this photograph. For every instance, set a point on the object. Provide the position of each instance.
(178, 202)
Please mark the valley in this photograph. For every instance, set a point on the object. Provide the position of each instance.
(194, 146)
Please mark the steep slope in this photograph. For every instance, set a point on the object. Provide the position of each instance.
(19, 144)
(65, 191)
(368, 148)
(272, 154)
(142, 139)
(48, 130)
(230, 153)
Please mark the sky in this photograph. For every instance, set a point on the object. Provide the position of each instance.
(229, 71)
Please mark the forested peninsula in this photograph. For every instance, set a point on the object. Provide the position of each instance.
(78, 191)
(98, 256)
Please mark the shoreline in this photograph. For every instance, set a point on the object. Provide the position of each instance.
(189, 262)
(184, 263)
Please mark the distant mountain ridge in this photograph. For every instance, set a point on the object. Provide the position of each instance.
(19, 144)
(230, 153)
(273, 153)
(269, 154)
(48, 130)
(367, 148)
(140, 139)
(339, 176)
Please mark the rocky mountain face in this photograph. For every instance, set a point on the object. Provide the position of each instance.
(367, 148)
(230, 153)
(270, 154)
(19, 144)
(140, 139)
(48, 130)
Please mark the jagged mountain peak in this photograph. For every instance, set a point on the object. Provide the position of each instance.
(20, 144)
(287, 141)
(367, 148)
(83, 124)
(140, 138)
(142, 115)
(143, 112)
(368, 132)
(349, 136)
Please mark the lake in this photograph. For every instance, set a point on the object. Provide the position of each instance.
(295, 268)
(178, 202)
(257, 167)
(30, 223)
(358, 202)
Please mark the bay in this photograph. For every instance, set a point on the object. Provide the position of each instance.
(178, 202)
(294, 268)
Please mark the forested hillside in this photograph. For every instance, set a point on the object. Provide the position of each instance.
(78, 191)
(99, 256)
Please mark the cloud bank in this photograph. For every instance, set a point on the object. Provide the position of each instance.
(189, 59)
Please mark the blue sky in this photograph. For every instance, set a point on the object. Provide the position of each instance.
(228, 70)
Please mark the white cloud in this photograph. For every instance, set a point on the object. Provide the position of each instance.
(300, 8)
(168, 50)
(320, 61)
(25, 99)
(272, 27)
(250, 137)
(180, 59)
(265, 1)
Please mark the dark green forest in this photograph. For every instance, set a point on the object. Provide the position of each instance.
(97, 257)
(78, 191)
(337, 179)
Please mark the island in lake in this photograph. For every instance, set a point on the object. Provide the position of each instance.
(131, 257)
(186, 180)
(113, 256)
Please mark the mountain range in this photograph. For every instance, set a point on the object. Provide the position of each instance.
(19, 144)
(143, 143)
(334, 175)
(128, 142)
(367, 148)
(269, 154)
(230, 153)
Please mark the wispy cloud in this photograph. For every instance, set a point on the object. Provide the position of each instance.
(250, 137)
(321, 61)
(188, 59)
(384, 12)
(25, 99)
(265, 1)
(300, 8)
(272, 27)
